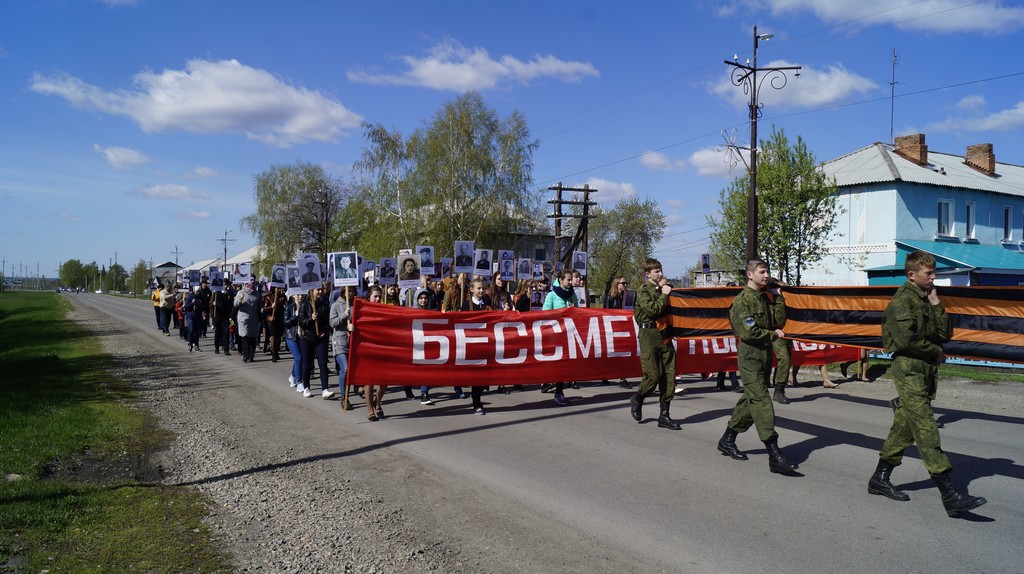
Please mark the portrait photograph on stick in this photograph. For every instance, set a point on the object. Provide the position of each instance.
(579, 262)
(278, 277)
(409, 271)
(309, 266)
(426, 259)
(525, 269)
(482, 263)
(388, 272)
(345, 272)
(464, 257)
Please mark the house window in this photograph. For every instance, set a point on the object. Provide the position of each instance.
(969, 221)
(945, 218)
(1007, 223)
(540, 254)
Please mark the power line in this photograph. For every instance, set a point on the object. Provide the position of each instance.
(789, 115)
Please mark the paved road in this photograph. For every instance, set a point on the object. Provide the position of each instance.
(610, 495)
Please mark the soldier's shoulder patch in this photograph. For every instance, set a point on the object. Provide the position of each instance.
(749, 321)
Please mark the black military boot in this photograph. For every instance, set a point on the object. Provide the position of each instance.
(954, 500)
(879, 483)
(780, 395)
(636, 403)
(727, 445)
(721, 381)
(776, 462)
(665, 421)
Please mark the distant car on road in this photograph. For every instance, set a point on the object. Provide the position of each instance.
(100, 291)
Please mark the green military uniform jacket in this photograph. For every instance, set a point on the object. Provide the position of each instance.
(751, 316)
(913, 327)
(651, 305)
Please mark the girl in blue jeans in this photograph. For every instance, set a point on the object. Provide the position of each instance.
(291, 340)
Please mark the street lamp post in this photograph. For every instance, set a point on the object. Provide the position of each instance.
(745, 76)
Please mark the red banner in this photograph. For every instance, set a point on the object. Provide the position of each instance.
(400, 346)
(719, 354)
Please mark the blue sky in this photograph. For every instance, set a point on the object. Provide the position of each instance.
(134, 126)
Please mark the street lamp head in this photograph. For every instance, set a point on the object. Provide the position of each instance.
(766, 36)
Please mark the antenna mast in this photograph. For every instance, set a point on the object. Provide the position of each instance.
(892, 95)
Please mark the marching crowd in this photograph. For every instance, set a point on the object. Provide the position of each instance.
(251, 317)
(318, 323)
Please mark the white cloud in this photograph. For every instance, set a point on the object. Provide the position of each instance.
(930, 15)
(166, 191)
(676, 203)
(661, 162)
(813, 89)
(198, 215)
(711, 162)
(121, 158)
(70, 217)
(201, 171)
(972, 103)
(609, 191)
(451, 66)
(1011, 119)
(213, 97)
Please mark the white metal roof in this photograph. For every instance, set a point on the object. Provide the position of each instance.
(200, 265)
(878, 163)
(249, 255)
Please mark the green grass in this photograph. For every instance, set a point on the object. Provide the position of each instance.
(66, 427)
(880, 368)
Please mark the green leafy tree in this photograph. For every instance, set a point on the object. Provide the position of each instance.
(140, 278)
(465, 175)
(297, 208)
(797, 211)
(72, 273)
(621, 238)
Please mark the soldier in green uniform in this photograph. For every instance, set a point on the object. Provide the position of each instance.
(750, 316)
(783, 348)
(657, 356)
(914, 328)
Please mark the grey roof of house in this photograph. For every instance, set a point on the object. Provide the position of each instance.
(878, 163)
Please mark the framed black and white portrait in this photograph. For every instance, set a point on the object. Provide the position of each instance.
(464, 256)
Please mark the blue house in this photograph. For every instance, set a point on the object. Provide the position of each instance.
(968, 211)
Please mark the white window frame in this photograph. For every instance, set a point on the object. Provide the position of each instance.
(944, 210)
(970, 219)
(1007, 223)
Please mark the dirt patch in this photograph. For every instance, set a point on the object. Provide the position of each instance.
(89, 467)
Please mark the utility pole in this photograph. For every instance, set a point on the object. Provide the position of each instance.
(225, 241)
(176, 253)
(582, 236)
(745, 76)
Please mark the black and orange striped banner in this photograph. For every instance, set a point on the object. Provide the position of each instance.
(988, 322)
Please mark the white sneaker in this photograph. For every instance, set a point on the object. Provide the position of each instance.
(298, 387)
(306, 393)
(425, 400)
(327, 394)
(291, 380)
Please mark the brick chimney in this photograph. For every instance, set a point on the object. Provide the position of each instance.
(982, 158)
(912, 147)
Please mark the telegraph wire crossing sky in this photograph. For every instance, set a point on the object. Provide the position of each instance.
(135, 125)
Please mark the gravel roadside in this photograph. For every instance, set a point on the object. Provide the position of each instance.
(280, 508)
